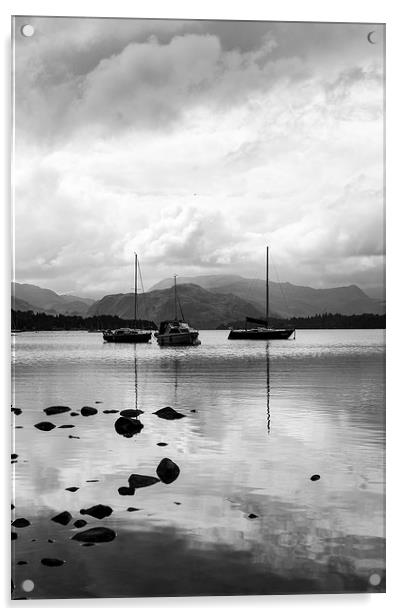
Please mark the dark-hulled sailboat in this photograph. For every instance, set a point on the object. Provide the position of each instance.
(128, 334)
(262, 331)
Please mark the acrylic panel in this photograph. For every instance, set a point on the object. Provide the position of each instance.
(197, 308)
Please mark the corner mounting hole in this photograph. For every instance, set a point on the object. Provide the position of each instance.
(27, 30)
(374, 579)
(28, 585)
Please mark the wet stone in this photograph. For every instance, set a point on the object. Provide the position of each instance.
(50, 540)
(141, 481)
(167, 470)
(22, 562)
(162, 444)
(95, 535)
(315, 477)
(73, 489)
(127, 427)
(132, 509)
(252, 516)
(86, 411)
(52, 562)
(55, 410)
(14, 536)
(72, 436)
(131, 413)
(109, 411)
(45, 426)
(98, 511)
(126, 491)
(67, 426)
(62, 518)
(21, 523)
(16, 410)
(14, 456)
(92, 481)
(12, 507)
(80, 523)
(87, 545)
(74, 414)
(168, 413)
(193, 411)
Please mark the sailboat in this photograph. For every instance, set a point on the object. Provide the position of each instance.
(177, 332)
(263, 332)
(128, 334)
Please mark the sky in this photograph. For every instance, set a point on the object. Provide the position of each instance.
(196, 144)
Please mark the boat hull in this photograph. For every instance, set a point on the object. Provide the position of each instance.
(182, 339)
(132, 338)
(260, 334)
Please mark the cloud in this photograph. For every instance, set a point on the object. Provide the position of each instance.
(196, 144)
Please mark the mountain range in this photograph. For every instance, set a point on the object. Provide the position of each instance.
(206, 301)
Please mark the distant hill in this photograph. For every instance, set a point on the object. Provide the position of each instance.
(201, 308)
(206, 282)
(45, 300)
(290, 300)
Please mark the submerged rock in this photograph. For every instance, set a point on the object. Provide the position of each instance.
(252, 516)
(315, 477)
(72, 436)
(21, 523)
(67, 426)
(22, 562)
(98, 511)
(167, 470)
(110, 411)
(12, 507)
(74, 414)
(162, 444)
(95, 535)
(87, 545)
(14, 536)
(62, 518)
(141, 481)
(52, 562)
(126, 491)
(131, 413)
(55, 410)
(45, 426)
(14, 456)
(80, 523)
(132, 509)
(128, 427)
(86, 411)
(16, 410)
(168, 413)
(73, 489)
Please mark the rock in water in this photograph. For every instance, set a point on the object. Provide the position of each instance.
(131, 413)
(21, 523)
(110, 411)
(95, 535)
(252, 516)
(71, 436)
(55, 410)
(13, 536)
(141, 481)
(74, 414)
(62, 518)
(124, 491)
(128, 427)
(52, 562)
(132, 509)
(167, 471)
(45, 426)
(67, 426)
(73, 489)
(80, 523)
(16, 410)
(98, 511)
(86, 411)
(14, 456)
(168, 413)
(315, 477)
(161, 444)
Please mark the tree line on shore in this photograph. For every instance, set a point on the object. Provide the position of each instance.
(40, 321)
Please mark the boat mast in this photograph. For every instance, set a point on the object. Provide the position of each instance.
(175, 298)
(135, 288)
(267, 289)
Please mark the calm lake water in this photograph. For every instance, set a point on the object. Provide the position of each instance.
(268, 416)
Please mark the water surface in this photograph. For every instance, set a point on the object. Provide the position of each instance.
(261, 419)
